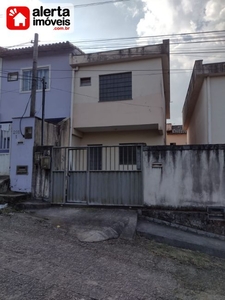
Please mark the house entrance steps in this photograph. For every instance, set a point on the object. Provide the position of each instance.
(7, 196)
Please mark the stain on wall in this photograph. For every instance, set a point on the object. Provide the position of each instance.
(189, 176)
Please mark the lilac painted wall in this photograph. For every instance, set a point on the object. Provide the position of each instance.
(58, 98)
(21, 154)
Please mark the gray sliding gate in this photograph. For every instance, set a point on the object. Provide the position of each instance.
(98, 175)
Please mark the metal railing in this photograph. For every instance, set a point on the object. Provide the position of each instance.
(105, 158)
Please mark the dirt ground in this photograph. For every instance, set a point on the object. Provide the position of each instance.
(40, 260)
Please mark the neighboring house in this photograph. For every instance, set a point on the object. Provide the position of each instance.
(204, 107)
(53, 64)
(121, 96)
(15, 88)
(176, 135)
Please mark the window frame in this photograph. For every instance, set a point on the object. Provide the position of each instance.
(12, 74)
(83, 84)
(30, 69)
(117, 95)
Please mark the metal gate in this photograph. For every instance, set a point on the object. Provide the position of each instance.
(98, 175)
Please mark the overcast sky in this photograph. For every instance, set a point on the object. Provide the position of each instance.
(141, 18)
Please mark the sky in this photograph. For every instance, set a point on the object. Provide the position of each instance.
(196, 29)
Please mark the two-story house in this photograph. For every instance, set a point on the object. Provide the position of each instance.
(117, 97)
(121, 96)
(204, 109)
(15, 92)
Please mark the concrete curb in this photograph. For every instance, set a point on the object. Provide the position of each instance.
(33, 205)
(179, 238)
(184, 228)
(13, 198)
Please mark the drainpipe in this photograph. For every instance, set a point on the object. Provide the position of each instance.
(71, 107)
(209, 110)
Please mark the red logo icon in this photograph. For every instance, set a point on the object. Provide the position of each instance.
(18, 18)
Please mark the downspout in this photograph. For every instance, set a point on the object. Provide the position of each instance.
(209, 110)
(71, 108)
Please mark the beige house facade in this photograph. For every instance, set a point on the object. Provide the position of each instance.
(204, 107)
(121, 96)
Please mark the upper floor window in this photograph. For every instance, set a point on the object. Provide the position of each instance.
(115, 87)
(27, 78)
(85, 81)
(12, 76)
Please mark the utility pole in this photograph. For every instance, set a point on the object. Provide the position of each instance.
(34, 76)
(43, 110)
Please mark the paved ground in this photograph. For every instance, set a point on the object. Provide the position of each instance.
(39, 260)
(92, 224)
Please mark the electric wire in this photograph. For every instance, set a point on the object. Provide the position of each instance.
(99, 3)
(191, 35)
(23, 116)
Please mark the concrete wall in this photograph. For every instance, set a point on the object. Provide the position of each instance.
(41, 181)
(54, 135)
(146, 107)
(197, 132)
(58, 97)
(185, 176)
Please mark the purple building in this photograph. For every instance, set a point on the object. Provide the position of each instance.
(15, 96)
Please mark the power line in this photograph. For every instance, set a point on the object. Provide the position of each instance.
(164, 36)
(119, 46)
(21, 44)
(103, 44)
(174, 70)
(99, 3)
